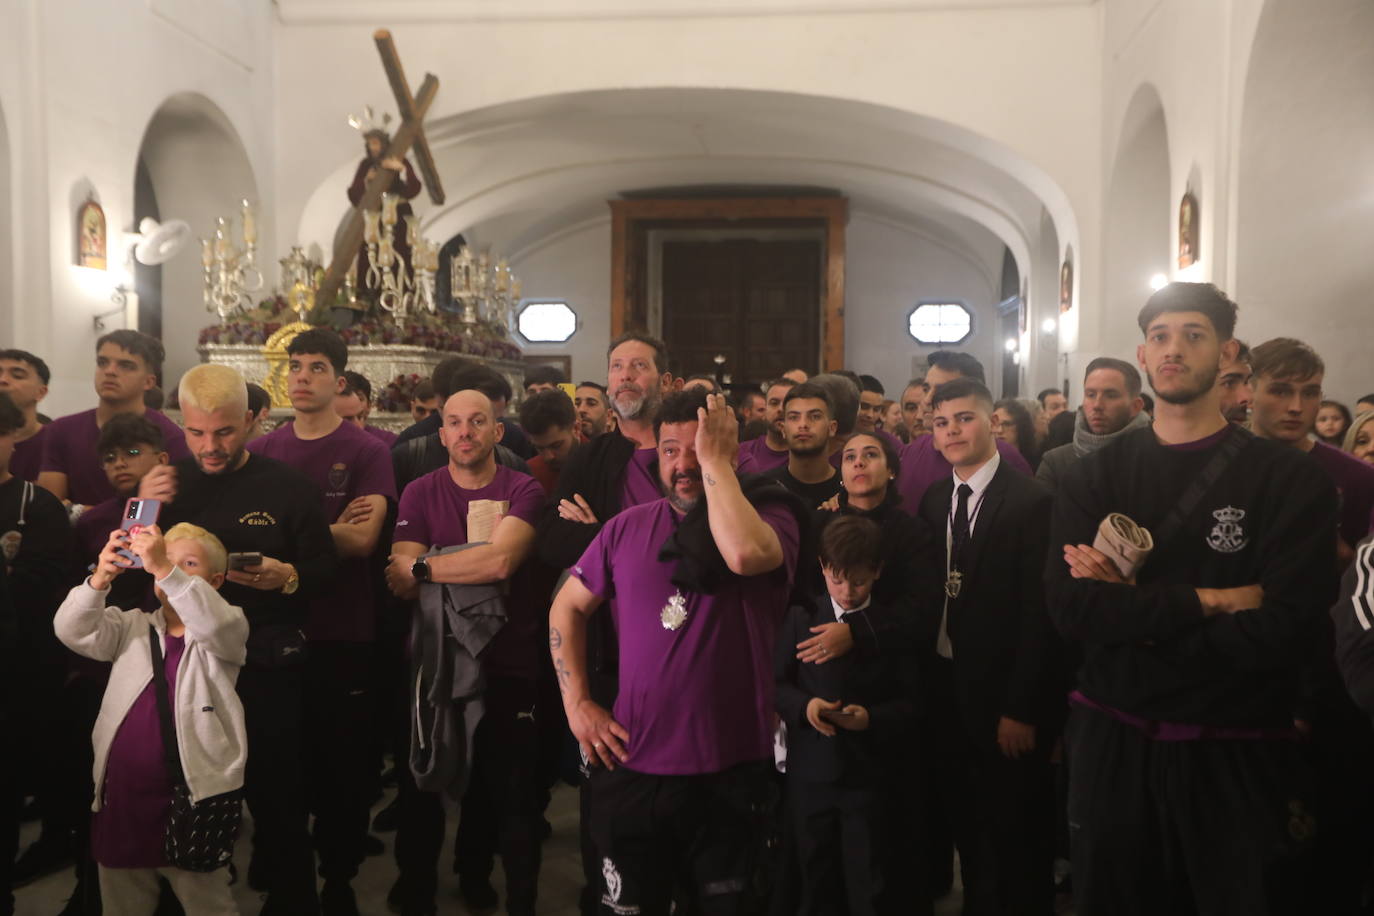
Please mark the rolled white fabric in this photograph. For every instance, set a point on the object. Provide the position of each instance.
(1127, 543)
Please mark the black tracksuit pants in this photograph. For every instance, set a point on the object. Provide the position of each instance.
(275, 785)
(1207, 827)
(342, 752)
(501, 808)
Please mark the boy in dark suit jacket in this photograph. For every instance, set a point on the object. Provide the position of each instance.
(843, 718)
(996, 688)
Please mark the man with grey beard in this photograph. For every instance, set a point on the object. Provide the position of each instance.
(612, 472)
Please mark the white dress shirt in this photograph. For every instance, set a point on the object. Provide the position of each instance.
(978, 483)
(840, 612)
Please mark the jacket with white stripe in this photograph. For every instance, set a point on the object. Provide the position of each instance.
(1353, 615)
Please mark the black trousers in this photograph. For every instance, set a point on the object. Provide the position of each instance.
(1002, 814)
(700, 837)
(275, 785)
(501, 808)
(342, 752)
(840, 835)
(1186, 827)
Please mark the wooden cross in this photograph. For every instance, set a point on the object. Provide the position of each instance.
(411, 133)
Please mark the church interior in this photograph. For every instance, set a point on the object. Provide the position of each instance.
(823, 184)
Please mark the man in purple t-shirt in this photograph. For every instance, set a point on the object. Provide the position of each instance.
(1287, 385)
(689, 746)
(473, 500)
(127, 363)
(353, 472)
(768, 451)
(24, 377)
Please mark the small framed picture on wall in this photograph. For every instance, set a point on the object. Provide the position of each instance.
(90, 235)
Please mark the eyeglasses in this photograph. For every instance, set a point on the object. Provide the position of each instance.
(115, 454)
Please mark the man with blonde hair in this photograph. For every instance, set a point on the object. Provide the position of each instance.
(270, 518)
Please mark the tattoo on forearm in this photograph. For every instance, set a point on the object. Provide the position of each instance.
(564, 675)
(555, 638)
(710, 481)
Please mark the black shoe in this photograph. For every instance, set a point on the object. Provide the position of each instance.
(373, 846)
(43, 857)
(477, 892)
(338, 899)
(388, 818)
(398, 902)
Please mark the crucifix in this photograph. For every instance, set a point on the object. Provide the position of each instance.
(412, 111)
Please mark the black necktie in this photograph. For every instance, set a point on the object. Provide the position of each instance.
(959, 527)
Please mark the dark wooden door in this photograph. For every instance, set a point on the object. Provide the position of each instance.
(757, 303)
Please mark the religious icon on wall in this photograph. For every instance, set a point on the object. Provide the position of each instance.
(1066, 285)
(1187, 230)
(90, 235)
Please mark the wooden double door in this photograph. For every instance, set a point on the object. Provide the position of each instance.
(755, 302)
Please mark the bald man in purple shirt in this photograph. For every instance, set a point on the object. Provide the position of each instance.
(683, 759)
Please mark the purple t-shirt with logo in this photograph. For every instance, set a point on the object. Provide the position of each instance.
(640, 484)
(345, 464)
(755, 457)
(69, 447)
(923, 465)
(434, 512)
(27, 459)
(698, 699)
(1354, 482)
(127, 831)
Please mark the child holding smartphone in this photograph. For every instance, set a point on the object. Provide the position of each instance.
(843, 718)
(201, 639)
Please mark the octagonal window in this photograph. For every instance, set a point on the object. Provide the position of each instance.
(940, 323)
(546, 322)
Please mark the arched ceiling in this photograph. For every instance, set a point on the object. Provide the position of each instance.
(524, 171)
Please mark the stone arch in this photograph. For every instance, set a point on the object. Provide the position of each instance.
(1137, 221)
(1304, 190)
(194, 167)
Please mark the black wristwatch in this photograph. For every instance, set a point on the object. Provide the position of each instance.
(420, 569)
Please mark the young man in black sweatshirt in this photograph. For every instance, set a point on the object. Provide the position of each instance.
(1186, 790)
(258, 505)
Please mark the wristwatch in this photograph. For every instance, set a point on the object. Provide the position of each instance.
(420, 570)
(293, 582)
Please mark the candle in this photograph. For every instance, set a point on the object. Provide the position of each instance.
(207, 253)
(411, 233)
(370, 226)
(386, 255)
(389, 209)
(250, 225)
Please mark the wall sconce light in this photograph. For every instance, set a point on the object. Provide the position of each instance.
(1049, 325)
(1158, 282)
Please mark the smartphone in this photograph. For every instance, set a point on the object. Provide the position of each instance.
(138, 514)
(836, 714)
(241, 560)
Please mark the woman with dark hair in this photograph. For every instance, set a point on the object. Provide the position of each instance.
(1333, 419)
(1014, 426)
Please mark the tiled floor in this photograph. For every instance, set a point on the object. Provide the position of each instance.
(559, 881)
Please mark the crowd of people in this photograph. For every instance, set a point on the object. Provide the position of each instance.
(796, 644)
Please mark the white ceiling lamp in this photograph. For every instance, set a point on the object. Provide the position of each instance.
(1158, 282)
(1011, 344)
(1049, 326)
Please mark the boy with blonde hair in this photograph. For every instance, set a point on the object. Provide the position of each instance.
(202, 641)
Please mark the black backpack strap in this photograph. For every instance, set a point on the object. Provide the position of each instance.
(164, 709)
(1230, 447)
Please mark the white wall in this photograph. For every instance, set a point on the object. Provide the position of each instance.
(889, 268)
(79, 83)
(1305, 235)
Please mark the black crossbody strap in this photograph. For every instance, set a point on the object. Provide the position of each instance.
(1230, 447)
(164, 710)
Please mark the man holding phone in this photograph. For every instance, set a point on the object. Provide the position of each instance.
(258, 504)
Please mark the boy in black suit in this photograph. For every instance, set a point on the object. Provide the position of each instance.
(843, 720)
(996, 688)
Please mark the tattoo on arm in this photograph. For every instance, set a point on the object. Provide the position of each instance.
(710, 481)
(555, 638)
(564, 675)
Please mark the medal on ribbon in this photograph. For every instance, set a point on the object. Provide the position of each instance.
(953, 583)
(674, 613)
